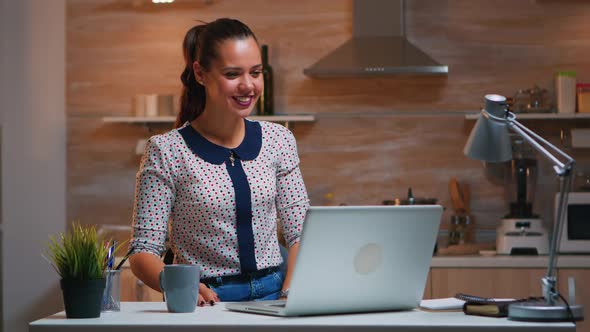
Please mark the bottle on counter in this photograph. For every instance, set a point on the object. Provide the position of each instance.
(265, 105)
(583, 95)
(411, 199)
(565, 91)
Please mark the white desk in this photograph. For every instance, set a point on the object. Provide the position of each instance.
(153, 316)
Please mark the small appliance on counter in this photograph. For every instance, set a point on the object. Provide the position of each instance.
(575, 236)
(521, 232)
(521, 236)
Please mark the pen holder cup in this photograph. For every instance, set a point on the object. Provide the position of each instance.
(111, 299)
(460, 229)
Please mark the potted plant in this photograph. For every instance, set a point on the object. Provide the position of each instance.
(80, 257)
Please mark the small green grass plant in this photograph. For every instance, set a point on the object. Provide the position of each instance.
(79, 254)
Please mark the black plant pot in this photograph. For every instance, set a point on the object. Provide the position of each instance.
(82, 298)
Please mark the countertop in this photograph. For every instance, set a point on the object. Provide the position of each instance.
(499, 261)
(507, 261)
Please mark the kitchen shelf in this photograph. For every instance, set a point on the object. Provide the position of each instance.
(138, 119)
(283, 118)
(148, 121)
(539, 116)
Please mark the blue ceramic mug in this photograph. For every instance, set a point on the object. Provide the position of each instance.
(180, 285)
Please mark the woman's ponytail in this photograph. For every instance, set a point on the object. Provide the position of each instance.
(192, 99)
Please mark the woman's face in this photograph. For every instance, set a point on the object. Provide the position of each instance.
(234, 81)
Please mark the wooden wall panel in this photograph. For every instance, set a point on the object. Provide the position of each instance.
(374, 137)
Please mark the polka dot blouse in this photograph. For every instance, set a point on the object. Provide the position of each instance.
(184, 191)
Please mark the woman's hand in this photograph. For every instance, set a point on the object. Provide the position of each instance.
(206, 295)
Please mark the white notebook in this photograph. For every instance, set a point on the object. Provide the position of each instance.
(448, 303)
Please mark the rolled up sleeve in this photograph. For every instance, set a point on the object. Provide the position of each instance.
(292, 201)
(154, 196)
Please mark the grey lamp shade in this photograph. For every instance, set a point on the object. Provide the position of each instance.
(489, 139)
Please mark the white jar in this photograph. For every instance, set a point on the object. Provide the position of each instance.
(565, 91)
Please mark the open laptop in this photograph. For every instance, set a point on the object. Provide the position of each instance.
(358, 259)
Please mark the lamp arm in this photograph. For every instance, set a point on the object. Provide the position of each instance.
(564, 170)
(565, 184)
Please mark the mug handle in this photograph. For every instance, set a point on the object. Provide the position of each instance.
(162, 280)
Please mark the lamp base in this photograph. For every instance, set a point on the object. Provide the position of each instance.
(540, 311)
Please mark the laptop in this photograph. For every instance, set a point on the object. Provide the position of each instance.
(358, 259)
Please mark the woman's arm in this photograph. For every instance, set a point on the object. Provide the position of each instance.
(146, 267)
(290, 265)
(292, 200)
(154, 197)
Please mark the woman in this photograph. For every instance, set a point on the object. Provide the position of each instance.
(218, 181)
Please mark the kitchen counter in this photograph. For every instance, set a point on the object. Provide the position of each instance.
(500, 261)
(506, 261)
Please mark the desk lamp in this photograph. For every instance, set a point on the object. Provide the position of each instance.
(489, 141)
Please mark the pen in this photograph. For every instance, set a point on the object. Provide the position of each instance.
(124, 259)
(111, 256)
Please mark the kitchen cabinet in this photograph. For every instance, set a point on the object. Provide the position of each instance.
(582, 292)
(486, 282)
(428, 288)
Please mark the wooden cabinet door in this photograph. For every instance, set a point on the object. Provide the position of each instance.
(132, 289)
(486, 282)
(428, 288)
(582, 276)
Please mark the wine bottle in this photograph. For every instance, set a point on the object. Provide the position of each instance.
(265, 105)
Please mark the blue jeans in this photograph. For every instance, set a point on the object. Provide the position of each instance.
(267, 287)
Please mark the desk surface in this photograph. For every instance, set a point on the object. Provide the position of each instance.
(153, 316)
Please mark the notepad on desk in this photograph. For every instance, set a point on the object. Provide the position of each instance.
(471, 305)
(448, 303)
(482, 306)
(497, 308)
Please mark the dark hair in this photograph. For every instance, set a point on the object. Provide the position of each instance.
(200, 44)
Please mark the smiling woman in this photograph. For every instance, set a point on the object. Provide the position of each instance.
(216, 184)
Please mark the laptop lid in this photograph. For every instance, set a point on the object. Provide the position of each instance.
(361, 258)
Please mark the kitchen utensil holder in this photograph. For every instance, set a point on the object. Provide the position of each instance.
(461, 229)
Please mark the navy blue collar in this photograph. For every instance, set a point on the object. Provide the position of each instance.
(217, 154)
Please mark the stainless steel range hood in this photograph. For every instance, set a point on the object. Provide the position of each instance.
(378, 46)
